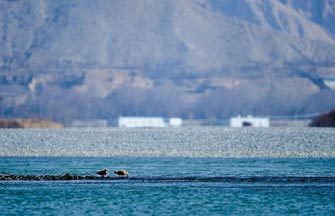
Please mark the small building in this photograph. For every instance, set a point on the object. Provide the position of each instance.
(175, 122)
(249, 121)
(132, 122)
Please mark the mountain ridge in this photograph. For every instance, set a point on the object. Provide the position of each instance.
(238, 56)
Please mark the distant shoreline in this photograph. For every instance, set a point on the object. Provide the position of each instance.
(29, 123)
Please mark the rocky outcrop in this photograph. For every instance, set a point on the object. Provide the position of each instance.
(65, 177)
(195, 179)
(324, 120)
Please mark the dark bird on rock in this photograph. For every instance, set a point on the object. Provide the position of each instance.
(102, 173)
(121, 173)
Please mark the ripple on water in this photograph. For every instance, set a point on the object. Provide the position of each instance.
(175, 142)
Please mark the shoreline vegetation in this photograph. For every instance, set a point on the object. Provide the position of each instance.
(29, 123)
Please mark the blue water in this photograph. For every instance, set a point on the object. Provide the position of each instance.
(163, 185)
(167, 185)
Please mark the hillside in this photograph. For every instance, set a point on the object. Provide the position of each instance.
(324, 120)
(68, 60)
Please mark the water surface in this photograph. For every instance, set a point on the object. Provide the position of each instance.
(171, 142)
(189, 171)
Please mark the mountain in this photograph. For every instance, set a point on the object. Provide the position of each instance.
(69, 59)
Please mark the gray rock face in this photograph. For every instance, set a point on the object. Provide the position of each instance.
(93, 49)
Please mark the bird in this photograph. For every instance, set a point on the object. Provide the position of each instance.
(121, 173)
(102, 173)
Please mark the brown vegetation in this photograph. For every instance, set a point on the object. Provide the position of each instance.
(28, 123)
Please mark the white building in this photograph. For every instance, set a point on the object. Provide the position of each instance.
(175, 122)
(131, 122)
(249, 121)
(141, 122)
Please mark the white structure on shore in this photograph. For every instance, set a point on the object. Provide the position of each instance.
(132, 122)
(249, 121)
(175, 122)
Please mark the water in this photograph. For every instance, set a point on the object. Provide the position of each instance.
(191, 171)
(181, 142)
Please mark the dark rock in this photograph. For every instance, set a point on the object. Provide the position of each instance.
(324, 120)
(67, 176)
